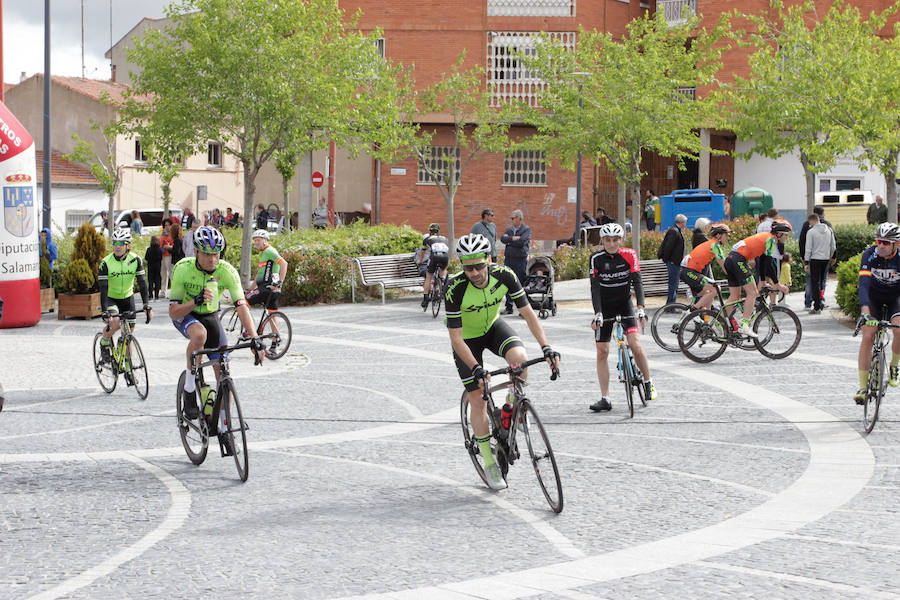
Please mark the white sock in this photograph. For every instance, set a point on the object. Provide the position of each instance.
(189, 385)
(222, 427)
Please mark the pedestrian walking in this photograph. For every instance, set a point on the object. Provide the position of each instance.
(820, 247)
(165, 244)
(651, 202)
(515, 256)
(488, 229)
(671, 252)
(153, 258)
(807, 295)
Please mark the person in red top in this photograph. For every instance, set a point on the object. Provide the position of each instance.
(740, 274)
(693, 265)
(165, 242)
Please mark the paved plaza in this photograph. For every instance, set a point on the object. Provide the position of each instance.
(747, 478)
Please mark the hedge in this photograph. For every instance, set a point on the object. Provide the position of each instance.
(848, 285)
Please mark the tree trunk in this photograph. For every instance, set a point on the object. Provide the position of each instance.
(636, 213)
(166, 199)
(451, 230)
(889, 169)
(285, 190)
(620, 217)
(110, 216)
(247, 230)
(810, 177)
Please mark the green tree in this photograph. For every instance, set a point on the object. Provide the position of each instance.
(632, 94)
(461, 96)
(266, 76)
(105, 169)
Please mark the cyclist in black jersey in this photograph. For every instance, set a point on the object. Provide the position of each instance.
(435, 255)
(614, 271)
(473, 305)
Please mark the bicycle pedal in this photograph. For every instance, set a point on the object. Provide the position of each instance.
(225, 447)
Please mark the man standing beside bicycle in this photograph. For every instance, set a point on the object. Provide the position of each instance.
(115, 277)
(473, 304)
(266, 288)
(879, 299)
(694, 264)
(614, 271)
(435, 255)
(198, 283)
(761, 247)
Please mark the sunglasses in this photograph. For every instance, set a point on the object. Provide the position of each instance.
(472, 268)
(119, 243)
(884, 242)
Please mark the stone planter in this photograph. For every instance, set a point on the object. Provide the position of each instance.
(48, 300)
(85, 306)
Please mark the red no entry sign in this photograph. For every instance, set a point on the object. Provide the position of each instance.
(318, 179)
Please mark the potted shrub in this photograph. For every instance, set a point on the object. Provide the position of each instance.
(81, 297)
(48, 294)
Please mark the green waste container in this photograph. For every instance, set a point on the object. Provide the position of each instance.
(750, 201)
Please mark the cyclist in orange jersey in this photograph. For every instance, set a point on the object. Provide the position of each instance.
(693, 265)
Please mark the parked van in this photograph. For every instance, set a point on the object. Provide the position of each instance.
(150, 217)
(845, 206)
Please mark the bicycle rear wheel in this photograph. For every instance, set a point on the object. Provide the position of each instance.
(542, 458)
(138, 370)
(702, 336)
(472, 448)
(236, 428)
(638, 379)
(627, 379)
(105, 368)
(664, 326)
(874, 390)
(194, 434)
(779, 332)
(437, 294)
(279, 342)
(231, 325)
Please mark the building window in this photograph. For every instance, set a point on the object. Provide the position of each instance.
(531, 8)
(436, 165)
(525, 168)
(139, 155)
(847, 184)
(379, 47)
(214, 154)
(507, 76)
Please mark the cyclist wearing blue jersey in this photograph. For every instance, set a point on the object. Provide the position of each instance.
(473, 308)
(879, 299)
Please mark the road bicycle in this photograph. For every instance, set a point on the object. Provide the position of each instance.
(273, 326)
(629, 373)
(231, 429)
(665, 323)
(503, 439)
(704, 334)
(436, 295)
(878, 373)
(125, 357)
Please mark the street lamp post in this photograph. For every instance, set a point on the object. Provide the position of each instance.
(581, 75)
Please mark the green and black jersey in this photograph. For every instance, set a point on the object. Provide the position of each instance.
(474, 309)
(188, 281)
(116, 277)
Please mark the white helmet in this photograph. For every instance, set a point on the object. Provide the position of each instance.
(612, 230)
(261, 233)
(473, 245)
(888, 231)
(122, 235)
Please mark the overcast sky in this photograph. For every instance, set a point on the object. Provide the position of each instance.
(23, 34)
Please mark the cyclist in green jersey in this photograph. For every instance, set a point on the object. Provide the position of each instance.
(198, 283)
(266, 288)
(473, 305)
(115, 276)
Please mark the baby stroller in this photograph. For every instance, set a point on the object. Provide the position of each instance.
(538, 285)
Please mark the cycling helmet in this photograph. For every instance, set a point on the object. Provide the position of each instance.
(122, 235)
(888, 232)
(781, 227)
(209, 240)
(261, 233)
(473, 245)
(612, 230)
(719, 228)
(434, 228)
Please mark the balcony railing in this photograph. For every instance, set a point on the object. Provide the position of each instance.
(531, 8)
(677, 11)
(686, 93)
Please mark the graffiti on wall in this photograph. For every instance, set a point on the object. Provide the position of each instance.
(561, 212)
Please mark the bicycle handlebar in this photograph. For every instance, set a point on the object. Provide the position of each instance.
(507, 370)
(223, 349)
(128, 315)
(881, 325)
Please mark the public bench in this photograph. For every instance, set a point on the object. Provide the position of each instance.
(387, 271)
(655, 278)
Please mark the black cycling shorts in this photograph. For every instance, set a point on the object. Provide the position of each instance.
(122, 306)
(499, 339)
(437, 261)
(884, 306)
(267, 296)
(768, 268)
(693, 279)
(215, 335)
(737, 270)
(629, 321)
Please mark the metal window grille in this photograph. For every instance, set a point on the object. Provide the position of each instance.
(531, 8)
(507, 75)
(437, 160)
(677, 11)
(214, 154)
(525, 168)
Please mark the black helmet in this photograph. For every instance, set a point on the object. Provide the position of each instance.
(781, 226)
(719, 228)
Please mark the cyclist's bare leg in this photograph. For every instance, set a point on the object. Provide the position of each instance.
(517, 356)
(603, 368)
(750, 302)
(111, 327)
(427, 284)
(196, 339)
(639, 355)
(478, 415)
(706, 296)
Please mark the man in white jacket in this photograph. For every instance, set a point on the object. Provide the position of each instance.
(820, 246)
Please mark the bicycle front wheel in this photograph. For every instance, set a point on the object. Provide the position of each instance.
(437, 294)
(275, 331)
(472, 447)
(664, 326)
(627, 379)
(138, 370)
(638, 380)
(702, 336)
(105, 368)
(874, 390)
(779, 332)
(236, 428)
(542, 458)
(194, 434)
(231, 325)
